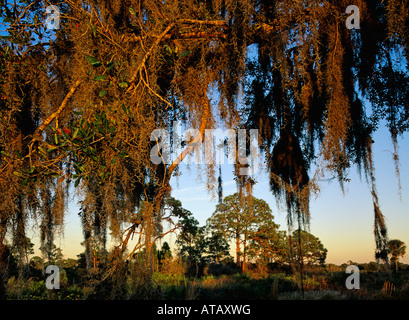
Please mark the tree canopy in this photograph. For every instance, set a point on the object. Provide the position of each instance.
(246, 220)
(396, 249)
(311, 251)
(78, 104)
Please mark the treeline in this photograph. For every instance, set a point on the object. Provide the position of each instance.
(246, 222)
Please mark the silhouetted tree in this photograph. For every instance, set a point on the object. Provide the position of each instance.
(312, 250)
(397, 249)
(242, 219)
(191, 242)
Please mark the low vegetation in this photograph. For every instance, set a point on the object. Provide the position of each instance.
(269, 264)
(224, 280)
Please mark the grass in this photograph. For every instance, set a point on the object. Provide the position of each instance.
(324, 286)
(238, 286)
(33, 289)
(318, 285)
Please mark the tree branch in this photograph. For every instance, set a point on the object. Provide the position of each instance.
(197, 35)
(46, 122)
(155, 44)
(192, 144)
(218, 23)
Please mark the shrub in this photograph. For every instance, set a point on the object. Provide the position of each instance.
(171, 265)
(218, 269)
(165, 279)
(21, 289)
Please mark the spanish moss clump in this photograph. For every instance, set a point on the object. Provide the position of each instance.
(289, 178)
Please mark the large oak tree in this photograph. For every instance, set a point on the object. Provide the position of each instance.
(78, 104)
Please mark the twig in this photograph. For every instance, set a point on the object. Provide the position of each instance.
(155, 44)
(153, 91)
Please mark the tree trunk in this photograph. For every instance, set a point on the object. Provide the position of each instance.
(19, 238)
(148, 240)
(3, 259)
(3, 267)
(291, 257)
(301, 261)
(238, 250)
(243, 269)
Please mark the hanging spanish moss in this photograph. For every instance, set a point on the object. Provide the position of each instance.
(94, 225)
(220, 185)
(19, 235)
(289, 178)
(395, 156)
(380, 230)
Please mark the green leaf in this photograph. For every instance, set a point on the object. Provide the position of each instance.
(102, 93)
(168, 49)
(113, 160)
(66, 137)
(100, 130)
(123, 84)
(77, 182)
(51, 149)
(185, 53)
(42, 152)
(122, 155)
(132, 11)
(93, 61)
(4, 153)
(125, 108)
(75, 133)
(110, 65)
(100, 77)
